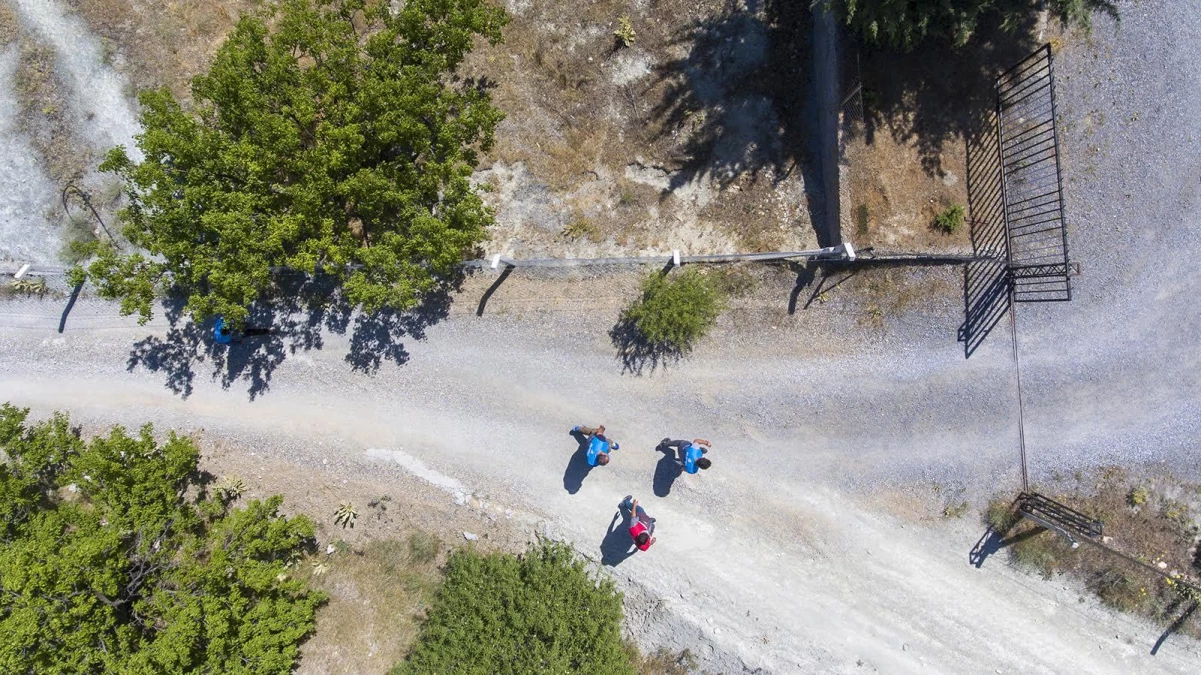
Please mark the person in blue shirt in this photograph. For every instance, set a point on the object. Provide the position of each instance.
(691, 454)
(599, 445)
(222, 333)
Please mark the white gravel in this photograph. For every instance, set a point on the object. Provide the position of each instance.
(26, 192)
(100, 100)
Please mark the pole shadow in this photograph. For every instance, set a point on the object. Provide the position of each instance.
(1174, 627)
(479, 311)
(578, 467)
(617, 545)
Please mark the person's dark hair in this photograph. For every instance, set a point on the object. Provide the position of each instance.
(602, 459)
(642, 539)
(704, 463)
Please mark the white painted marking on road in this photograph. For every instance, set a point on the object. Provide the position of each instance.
(418, 468)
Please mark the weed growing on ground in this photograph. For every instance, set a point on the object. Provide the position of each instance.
(581, 228)
(956, 510)
(950, 219)
(1000, 516)
(625, 32)
(663, 662)
(1137, 496)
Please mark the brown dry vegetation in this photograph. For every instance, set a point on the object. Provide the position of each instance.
(377, 594)
(161, 42)
(8, 25)
(1152, 519)
(687, 138)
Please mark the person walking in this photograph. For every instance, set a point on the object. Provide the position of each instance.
(690, 454)
(599, 445)
(642, 526)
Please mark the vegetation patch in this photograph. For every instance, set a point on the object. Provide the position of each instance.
(540, 612)
(113, 558)
(905, 25)
(377, 594)
(950, 219)
(1151, 521)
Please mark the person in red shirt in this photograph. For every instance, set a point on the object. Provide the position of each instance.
(642, 526)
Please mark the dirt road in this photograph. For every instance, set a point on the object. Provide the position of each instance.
(799, 551)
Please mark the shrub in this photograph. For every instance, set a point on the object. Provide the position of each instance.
(674, 311)
(536, 613)
(951, 219)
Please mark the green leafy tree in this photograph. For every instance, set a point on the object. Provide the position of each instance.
(108, 566)
(903, 24)
(537, 613)
(330, 134)
(675, 310)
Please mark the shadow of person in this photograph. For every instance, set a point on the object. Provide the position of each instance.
(617, 545)
(666, 471)
(577, 468)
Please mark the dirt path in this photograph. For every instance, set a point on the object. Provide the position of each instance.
(799, 551)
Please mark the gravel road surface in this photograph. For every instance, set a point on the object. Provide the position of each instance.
(798, 551)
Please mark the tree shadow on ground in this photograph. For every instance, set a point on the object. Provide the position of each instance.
(577, 467)
(636, 353)
(736, 102)
(292, 318)
(667, 470)
(617, 545)
(938, 92)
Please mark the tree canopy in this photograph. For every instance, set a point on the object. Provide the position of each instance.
(903, 24)
(107, 565)
(331, 134)
(537, 613)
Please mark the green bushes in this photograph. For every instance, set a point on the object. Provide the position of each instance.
(537, 613)
(674, 311)
(950, 219)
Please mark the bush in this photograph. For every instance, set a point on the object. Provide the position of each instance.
(951, 219)
(536, 613)
(674, 311)
(107, 565)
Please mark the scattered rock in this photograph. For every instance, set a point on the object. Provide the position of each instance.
(469, 536)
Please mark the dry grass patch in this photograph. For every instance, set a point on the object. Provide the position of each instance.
(9, 30)
(377, 594)
(161, 42)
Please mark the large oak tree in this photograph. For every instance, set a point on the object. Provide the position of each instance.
(327, 134)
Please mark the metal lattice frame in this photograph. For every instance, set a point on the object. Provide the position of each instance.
(1031, 185)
